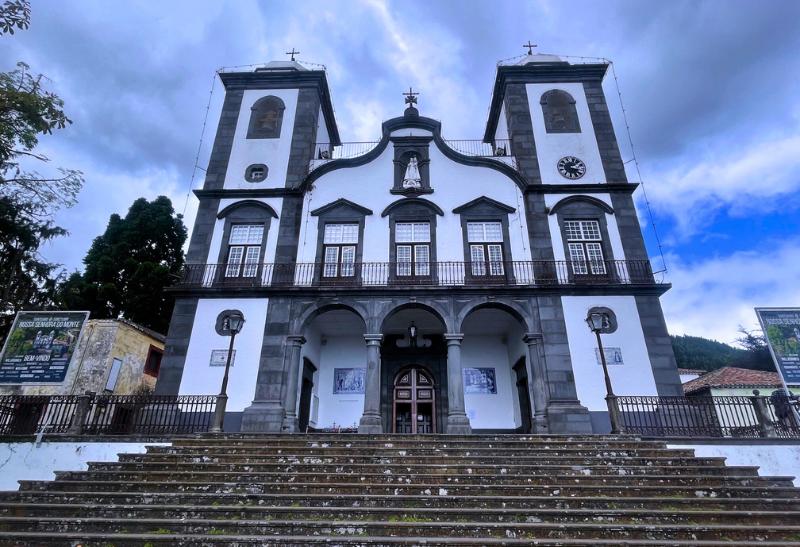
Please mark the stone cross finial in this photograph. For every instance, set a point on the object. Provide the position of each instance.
(292, 53)
(530, 47)
(411, 97)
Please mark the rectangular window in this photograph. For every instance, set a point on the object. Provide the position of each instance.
(244, 250)
(153, 363)
(339, 250)
(485, 248)
(412, 248)
(584, 242)
(111, 383)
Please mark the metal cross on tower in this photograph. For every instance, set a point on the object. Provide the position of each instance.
(530, 47)
(292, 53)
(411, 97)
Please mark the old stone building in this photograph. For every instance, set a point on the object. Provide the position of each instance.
(418, 284)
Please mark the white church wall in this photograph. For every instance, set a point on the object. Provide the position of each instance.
(501, 132)
(634, 376)
(272, 234)
(340, 352)
(555, 230)
(199, 377)
(490, 411)
(274, 153)
(322, 129)
(551, 147)
(454, 184)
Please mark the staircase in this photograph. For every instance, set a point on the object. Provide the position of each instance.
(405, 490)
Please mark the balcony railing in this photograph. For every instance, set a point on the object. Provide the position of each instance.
(325, 151)
(404, 274)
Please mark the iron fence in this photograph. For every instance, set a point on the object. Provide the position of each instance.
(719, 416)
(500, 147)
(406, 274)
(105, 414)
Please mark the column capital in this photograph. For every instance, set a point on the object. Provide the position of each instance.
(296, 339)
(453, 338)
(533, 338)
(373, 339)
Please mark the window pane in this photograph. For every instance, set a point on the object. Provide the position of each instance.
(578, 259)
(478, 259)
(333, 234)
(349, 233)
(595, 252)
(403, 232)
(234, 259)
(475, 231)
(495, 260)
(246, 234)
(422, 232)
(591, 229)
(251, 262)
(572, 229)
(403, 260)
(422, 259)
(348, 261)
(494, 231)
(331, 262)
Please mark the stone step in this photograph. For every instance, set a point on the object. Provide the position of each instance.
(393, 514)
(401, 501)
(429, 489)
(403, 442)
(190, 540)
(412, 451)
(417, 527)
(443, 477)
(176, 455)
(266, 438)
(397, 466)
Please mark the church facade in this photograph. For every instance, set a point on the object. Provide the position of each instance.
(418, 284)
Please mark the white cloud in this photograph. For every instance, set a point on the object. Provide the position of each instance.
(712, 298)
(751, 177)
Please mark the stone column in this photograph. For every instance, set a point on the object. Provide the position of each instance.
(295, 343)
(537, 382)
(371, 419)
(457, 421)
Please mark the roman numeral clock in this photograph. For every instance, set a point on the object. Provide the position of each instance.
(571, 167)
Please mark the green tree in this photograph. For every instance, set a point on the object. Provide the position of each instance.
(14, 13)
(129, 266)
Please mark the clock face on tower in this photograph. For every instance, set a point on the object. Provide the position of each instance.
(571, 167)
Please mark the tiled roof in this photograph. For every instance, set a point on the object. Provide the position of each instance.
(733, 377)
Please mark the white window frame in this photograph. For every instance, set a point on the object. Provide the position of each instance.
(413, 252)
(244, 250)
(487, 245)
(339, 249)
(585, 247)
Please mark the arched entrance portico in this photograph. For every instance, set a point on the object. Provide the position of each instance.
(414, 401)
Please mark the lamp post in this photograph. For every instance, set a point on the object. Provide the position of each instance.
(232, 325)
(597, 321)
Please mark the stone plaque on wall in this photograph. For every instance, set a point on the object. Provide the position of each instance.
(219, 356)
(479, 380)
(613, 356)
(348, 380)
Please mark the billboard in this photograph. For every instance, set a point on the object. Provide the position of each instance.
(781, 328)
(40, 345)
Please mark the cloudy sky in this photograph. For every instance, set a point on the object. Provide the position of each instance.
(710, 88)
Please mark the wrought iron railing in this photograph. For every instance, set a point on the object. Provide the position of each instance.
(719, 416)
(499, 149)
(404, 274)
(105, 414)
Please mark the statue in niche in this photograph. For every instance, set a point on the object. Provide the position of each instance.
(412, 179)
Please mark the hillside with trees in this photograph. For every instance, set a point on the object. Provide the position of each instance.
(701, 353)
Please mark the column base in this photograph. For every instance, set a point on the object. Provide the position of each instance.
(290, 424)
(370, 424)
(568, 417)
(262, 418)
(540, 424)
(458, 425)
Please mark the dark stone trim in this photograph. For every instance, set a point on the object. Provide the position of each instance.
(413, 201)
(604, 131)
(304, 136)
(589, 200)
(219, 193)
(341, 202)
(571, 188)
(520, 132)
(630, 232)
(248, 173)
(247, 203)
(404, 148)
(203, 231)
(176, 346)
(223, 141)
(659, 346)
(420, 122)
(534, 74)
(315, 79)
(484, 202)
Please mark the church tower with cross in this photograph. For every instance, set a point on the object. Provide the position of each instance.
(417, 284)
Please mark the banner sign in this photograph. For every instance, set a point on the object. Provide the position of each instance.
(40, 345)
(781, 328)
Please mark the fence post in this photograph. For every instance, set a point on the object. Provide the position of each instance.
(613, 414)
(81, 411)
(765, 426)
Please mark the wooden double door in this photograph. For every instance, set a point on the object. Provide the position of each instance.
(414, 401)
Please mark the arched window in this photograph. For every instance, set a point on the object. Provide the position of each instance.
(560, 115)
(266, 117)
